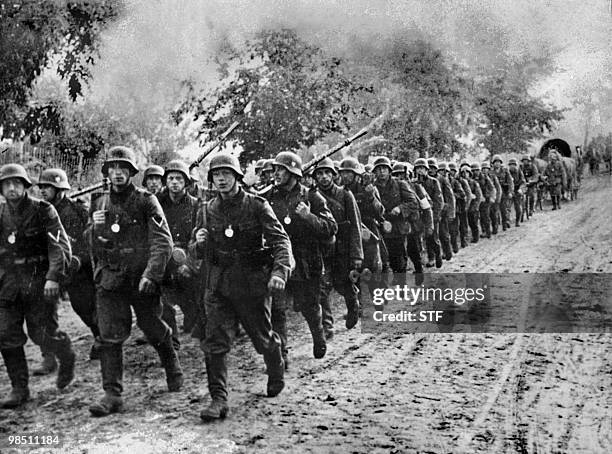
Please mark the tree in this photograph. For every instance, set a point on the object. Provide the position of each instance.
(34, 34)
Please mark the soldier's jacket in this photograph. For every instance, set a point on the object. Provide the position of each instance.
(134, 242)
(474, 187)
(32, 240)
(425, 220)
(555, 172)
(432, 186)
(308, 234)
(343, 207)
(505, 180)
(397, 193)
(74, 217)
(448, 195)
(462, 192)
(245, 241)
(519, 179)
(181, 216)
(467, 193)
(370, 207)
(531, 173)
(487, 187)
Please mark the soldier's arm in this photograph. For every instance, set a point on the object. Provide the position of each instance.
(449, 199)
(437, 199)
(510, 182)
(159, 239)
(409, 205)
(354, 218)
(320, 218)
(58, 245)
(276, 238)
(479, 197)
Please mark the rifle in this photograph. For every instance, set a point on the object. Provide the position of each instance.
(216, 145)
(102, 185)
(312, 163)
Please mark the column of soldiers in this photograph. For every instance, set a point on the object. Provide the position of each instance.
(242, 257)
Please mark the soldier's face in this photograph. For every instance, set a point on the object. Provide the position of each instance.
(512, 167)
(347, 176)
(382, 173)
(13, 189)
(224, 180)
(281, 176)
(421, 171)
(324, 177)
(496, 165)
(433, 172)
(119, 174)
(154, 184)
(453, 173)
(175, 182)
(48, 192)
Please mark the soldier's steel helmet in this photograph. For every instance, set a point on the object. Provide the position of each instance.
(452, 166)
(486, 165)
(54, 177)
(409, 167)
(351, 164)
(15, 171)
(120, 154)
(398, 168)
(259, 164)
(496, 158)
(224, 161)
(176, 165)
(268, 166)
(368, 168)
(326, 163)
(443, 166)
(525, 157)
(468, 167)
(432, 163)
(421, 162)
(290, 161)
(476, 166)
(512, 161)
(382, 161)
(153, 171)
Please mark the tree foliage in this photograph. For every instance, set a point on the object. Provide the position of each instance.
(35, 33)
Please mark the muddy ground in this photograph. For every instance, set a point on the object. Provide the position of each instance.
(387, 393)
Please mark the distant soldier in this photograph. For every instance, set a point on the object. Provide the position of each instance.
(247, 257)
(532, 177)
(131, 245)
(79, 283)
(489, 195)
(152, 178)
(399, 171)
(458, 198)
(311, 227)
(463, 196)
(593, 157)
(579, 163)
(346, 253)
(267, 173)
(448, 211)
(493, 207)
(555, 174)
(179, 286)
(519, 188)
(34, 255)
(507, 185)
(432, 186)
(422, 227)
(476, 198)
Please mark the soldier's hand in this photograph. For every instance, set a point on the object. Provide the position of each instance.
(51, 289)
(201, 236)
(184, 271)
(369, 188)
(276, 284)
(395, 211)
(99, 217)
(428, 231)
(302, 209)
(146, 286)
(357, 264)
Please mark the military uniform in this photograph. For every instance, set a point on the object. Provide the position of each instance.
(519, 190)
(463, 197)
(34, 248)
(555, 173)
(488, 212)
(532, 177)
(432, 186)
(506, 183)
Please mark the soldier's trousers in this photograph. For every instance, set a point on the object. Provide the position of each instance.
(473, 219)
(337, 279)
(445, 237)
(453, 230)
(398, 257)
(24, 302)
(531, 199)
(82, 293)
(413, 249)
(432, 242)
(462, 222)
(485, 218)
(518, 207)
(185, 298)
(504, 208)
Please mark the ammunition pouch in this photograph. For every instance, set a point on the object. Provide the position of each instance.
(259, 258)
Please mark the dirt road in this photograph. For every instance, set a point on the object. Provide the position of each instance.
(388, 393)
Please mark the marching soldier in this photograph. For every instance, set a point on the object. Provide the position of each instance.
(555, 173)
(448, 211)
(489, 196)
(493, 207)
(79, 284)
(347, 252)
(399, 171)
(34, 254)
(267, 173)
(507, 186)
(432, 186)
(131, 245)
(463, 196)
(311, 227)
(423, 227)
(532, 177)
(459, 196)
(152, 178)
(241, 272)
(473, 205)
(519, 188)
(179, 286)
(401, 210)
